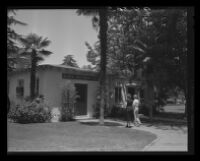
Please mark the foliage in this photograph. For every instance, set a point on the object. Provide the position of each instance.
(119, 113)
(34, 43)
(69, 96)
(34, 48)
(124, 45)
(13, 57)
(93, 55)
(35, 111)
(70, 61)
(153, 40)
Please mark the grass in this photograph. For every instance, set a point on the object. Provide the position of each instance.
(172, 112)
(75, 136)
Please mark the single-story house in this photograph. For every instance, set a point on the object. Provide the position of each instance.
(51, 78)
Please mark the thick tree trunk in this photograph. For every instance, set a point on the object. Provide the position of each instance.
(32, 76)
(103, 41)
(150, 100)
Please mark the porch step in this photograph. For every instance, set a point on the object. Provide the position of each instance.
(84, 117)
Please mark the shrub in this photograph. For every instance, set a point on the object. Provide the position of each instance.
(30, 112)
(118, 112)
(68, 101)
(144, 109)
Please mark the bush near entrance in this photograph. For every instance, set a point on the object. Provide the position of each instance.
(35, 111)
(68, 101)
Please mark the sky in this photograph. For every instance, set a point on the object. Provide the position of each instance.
(67, 32)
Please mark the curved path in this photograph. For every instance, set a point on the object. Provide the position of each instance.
(169, 137)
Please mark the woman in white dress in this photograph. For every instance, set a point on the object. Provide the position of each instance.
(136, 104)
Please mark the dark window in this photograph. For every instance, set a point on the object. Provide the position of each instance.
(21, 83)
(20, 88)
(142, 93)
(118, 95)
(131, 91)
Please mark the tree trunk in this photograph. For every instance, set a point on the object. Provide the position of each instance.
(32, 78)
(103, 41)
(150, 100)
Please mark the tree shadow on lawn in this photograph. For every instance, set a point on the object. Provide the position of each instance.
(93, 123)
(166, 125)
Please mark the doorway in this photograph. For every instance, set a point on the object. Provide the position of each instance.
(131, 90)
(81, 101)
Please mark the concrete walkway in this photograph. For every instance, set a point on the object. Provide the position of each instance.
(169, 138)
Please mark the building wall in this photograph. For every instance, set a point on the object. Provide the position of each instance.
(52, 87)
(51, 83)
(13, 83)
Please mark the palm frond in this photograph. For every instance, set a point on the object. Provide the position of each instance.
(44, 52)
(12, 20)
(95, 23)
(44, 43)
(39, 59)
(25, 43)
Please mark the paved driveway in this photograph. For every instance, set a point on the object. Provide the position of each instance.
(170, 138)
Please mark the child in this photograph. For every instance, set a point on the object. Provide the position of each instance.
(136, 103)
(128, 110)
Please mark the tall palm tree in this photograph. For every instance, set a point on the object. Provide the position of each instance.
(103, 42)
(70, 61)
(34, 47)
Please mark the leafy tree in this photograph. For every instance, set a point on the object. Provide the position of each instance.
(166, 68)
(34, 47)
(153, 40)
(123, 48)
(12, 49)
(69, 61)
(93, 55)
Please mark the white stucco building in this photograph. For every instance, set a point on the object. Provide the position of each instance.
(51, 78)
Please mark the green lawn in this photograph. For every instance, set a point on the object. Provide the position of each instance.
(75, 136)
(173, 108)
